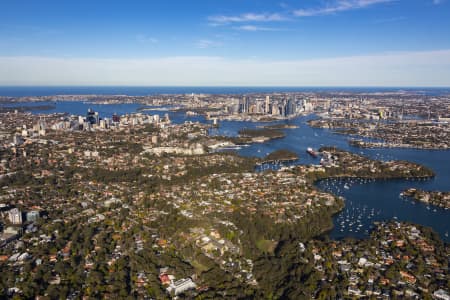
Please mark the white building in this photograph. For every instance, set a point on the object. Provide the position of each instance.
(441, 294)
(15, 216)
(32, 215)
(180, 286)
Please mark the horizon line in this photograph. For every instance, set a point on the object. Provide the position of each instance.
(227, 86)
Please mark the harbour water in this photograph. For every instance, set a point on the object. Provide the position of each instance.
(365, 201)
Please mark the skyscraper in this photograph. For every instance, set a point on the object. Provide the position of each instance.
(246, 104)
(267, 105)
(92, 117)
(290, 107)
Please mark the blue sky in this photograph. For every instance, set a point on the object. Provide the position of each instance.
(225, 42)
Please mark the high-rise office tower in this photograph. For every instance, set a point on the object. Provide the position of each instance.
(246, 104)
(290, 107)
(267, 105)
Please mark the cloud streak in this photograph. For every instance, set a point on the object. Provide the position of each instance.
(249, 17)
(204, 44)
(335, 7)
(254, 28)
(338, 6)
(427, 68)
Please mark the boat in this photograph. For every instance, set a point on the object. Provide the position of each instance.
(346, 187)
(311, 152)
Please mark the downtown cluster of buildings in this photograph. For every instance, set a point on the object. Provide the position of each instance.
(92, 121)
(33, 129)
(284, 107)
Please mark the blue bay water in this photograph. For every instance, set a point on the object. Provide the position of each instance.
(361, 198)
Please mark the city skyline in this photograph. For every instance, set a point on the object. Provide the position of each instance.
(255, 43)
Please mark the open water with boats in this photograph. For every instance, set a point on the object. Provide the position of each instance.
(366, 201)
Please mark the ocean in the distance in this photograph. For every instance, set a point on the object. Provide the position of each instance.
(28, 91)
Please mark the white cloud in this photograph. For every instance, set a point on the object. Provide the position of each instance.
(255, 28)
(249, 17)
(338, 6)
(427, 68)
(334, 7)
(204, 44)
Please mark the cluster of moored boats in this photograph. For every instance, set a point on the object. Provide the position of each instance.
(355, 218)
